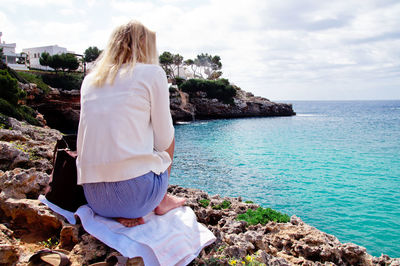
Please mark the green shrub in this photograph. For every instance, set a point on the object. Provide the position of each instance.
(8, 109)
(263, 216)
(66, 81)
(34, 78)
(4, 123)
(10, 94)
(172, 89)
(248, 201)
(179, 81)
(226, 204)
(28, 114)
(9, 89)
(12, 72)
(20, 112)
(204, 203)
(218, 89)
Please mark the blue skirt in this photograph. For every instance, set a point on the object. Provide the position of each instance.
(132, 198)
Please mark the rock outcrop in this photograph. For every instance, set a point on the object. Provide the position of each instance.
(245, 104)
(61, 108)
(28, 226)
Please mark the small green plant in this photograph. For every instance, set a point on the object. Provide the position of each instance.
(248, 201)
(220, 248)
(226, 204)
(212, 261)
(34, 78)
(24, 148)
(4, 123)
(49, 243)
(263, 216)
(204, 203)
(249, 260)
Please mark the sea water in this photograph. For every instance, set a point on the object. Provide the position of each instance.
(335, 165)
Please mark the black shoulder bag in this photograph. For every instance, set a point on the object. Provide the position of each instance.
(64, 190)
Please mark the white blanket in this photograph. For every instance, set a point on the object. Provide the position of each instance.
(175, 238)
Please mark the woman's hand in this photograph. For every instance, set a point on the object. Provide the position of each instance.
(170, 151)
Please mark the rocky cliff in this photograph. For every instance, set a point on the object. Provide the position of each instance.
(245, 104)
(28, 226)
(61, 108)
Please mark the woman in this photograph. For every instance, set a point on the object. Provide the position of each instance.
(125, 136)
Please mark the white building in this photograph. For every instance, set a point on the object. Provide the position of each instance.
(35, 53)
(10, 56)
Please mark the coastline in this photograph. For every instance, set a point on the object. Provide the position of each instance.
(61, 108)
(27, 224)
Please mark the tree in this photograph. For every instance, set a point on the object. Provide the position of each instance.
(55, 62)
(44, 59)
(210, 65)
(170, 63)
(193, 66)
(205, 66)
(177, 60)
(62, 61)
(91, 54)
(70, 62)
(2, 64)
(166, 60)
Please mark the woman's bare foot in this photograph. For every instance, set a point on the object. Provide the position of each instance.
(168, 203)
(130, 222)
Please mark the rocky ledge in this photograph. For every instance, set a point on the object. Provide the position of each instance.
(245, 104)
(28, 226)
(61, 108)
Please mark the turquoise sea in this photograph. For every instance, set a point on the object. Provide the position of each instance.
(335, 164)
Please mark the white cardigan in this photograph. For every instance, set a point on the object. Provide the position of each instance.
(124, 128)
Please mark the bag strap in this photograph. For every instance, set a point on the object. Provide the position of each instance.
(62, 141)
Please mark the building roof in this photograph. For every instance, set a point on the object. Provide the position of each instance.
(47, 46)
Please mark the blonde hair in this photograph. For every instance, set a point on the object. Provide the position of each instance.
(129, 44)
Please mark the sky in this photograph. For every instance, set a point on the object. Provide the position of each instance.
(278, 49)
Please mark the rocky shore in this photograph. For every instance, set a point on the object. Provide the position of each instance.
(245, 104)
(28, 226)
(61, 108)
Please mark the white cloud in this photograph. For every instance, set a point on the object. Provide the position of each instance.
(18, 4)
(7, 27)
(278, 49)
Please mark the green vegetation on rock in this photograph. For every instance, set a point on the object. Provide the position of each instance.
(9, 89)
(4, 123)
(35, 78)
(10, 95)
(68, 81)
(204, 203)
(226, 204)
(215, 89)
(263, 216)
(50, 243)
(20, 112)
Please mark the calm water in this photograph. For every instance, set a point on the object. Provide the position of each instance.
(336, 165)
